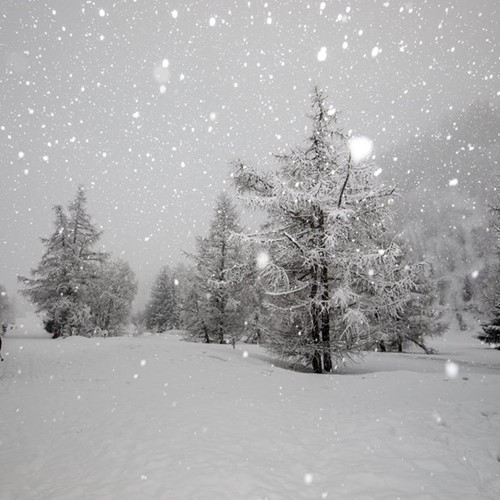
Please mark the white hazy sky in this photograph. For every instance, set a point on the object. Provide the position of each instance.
(145, 102)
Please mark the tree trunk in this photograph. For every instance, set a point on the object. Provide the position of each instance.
(422, 346)
(221, 301)
(207, 337)
(325, 320)
(315, 313)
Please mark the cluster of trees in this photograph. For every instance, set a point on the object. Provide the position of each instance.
(164, 309)
(326, 277)
(79, 290)
(491, 330)
(209, 299)
(339, 280)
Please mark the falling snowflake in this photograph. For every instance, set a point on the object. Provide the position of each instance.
(361, 148)
(451, 369)
(322, 54)
(262, 260)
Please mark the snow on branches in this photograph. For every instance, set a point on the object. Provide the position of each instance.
(335, 273)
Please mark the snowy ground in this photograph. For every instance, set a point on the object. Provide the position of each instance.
(156, 417)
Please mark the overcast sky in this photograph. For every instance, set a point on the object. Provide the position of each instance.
(145, 102)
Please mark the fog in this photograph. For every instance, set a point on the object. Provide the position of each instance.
(145, 103)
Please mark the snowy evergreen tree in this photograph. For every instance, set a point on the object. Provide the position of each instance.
(333, 272)
(214, 298)
(419, 320)
(467, 291)
(181, 275)
(194, 315)
(54, 285)
(162, 311)
(255, 310)
(83, 233)
(58, 285)
(491, 330)
(457, 242)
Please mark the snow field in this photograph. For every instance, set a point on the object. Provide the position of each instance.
(156, 417)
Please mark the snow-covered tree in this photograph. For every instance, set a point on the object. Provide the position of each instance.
(457, 242)
(213, 301)
(491, 329)
(162, 310)
(255, 310)
(420, 318)
(333, 272)
(110, 296)
(182, 276)
(6, 307)
(467, 291)
(83, 232)
(194, 316)
(58, 285)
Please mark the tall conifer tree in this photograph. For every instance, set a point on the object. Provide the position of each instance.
(333, 271)
(217, 311)
(162, 311)
(59, 284)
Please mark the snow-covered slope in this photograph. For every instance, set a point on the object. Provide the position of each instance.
(155, 417)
